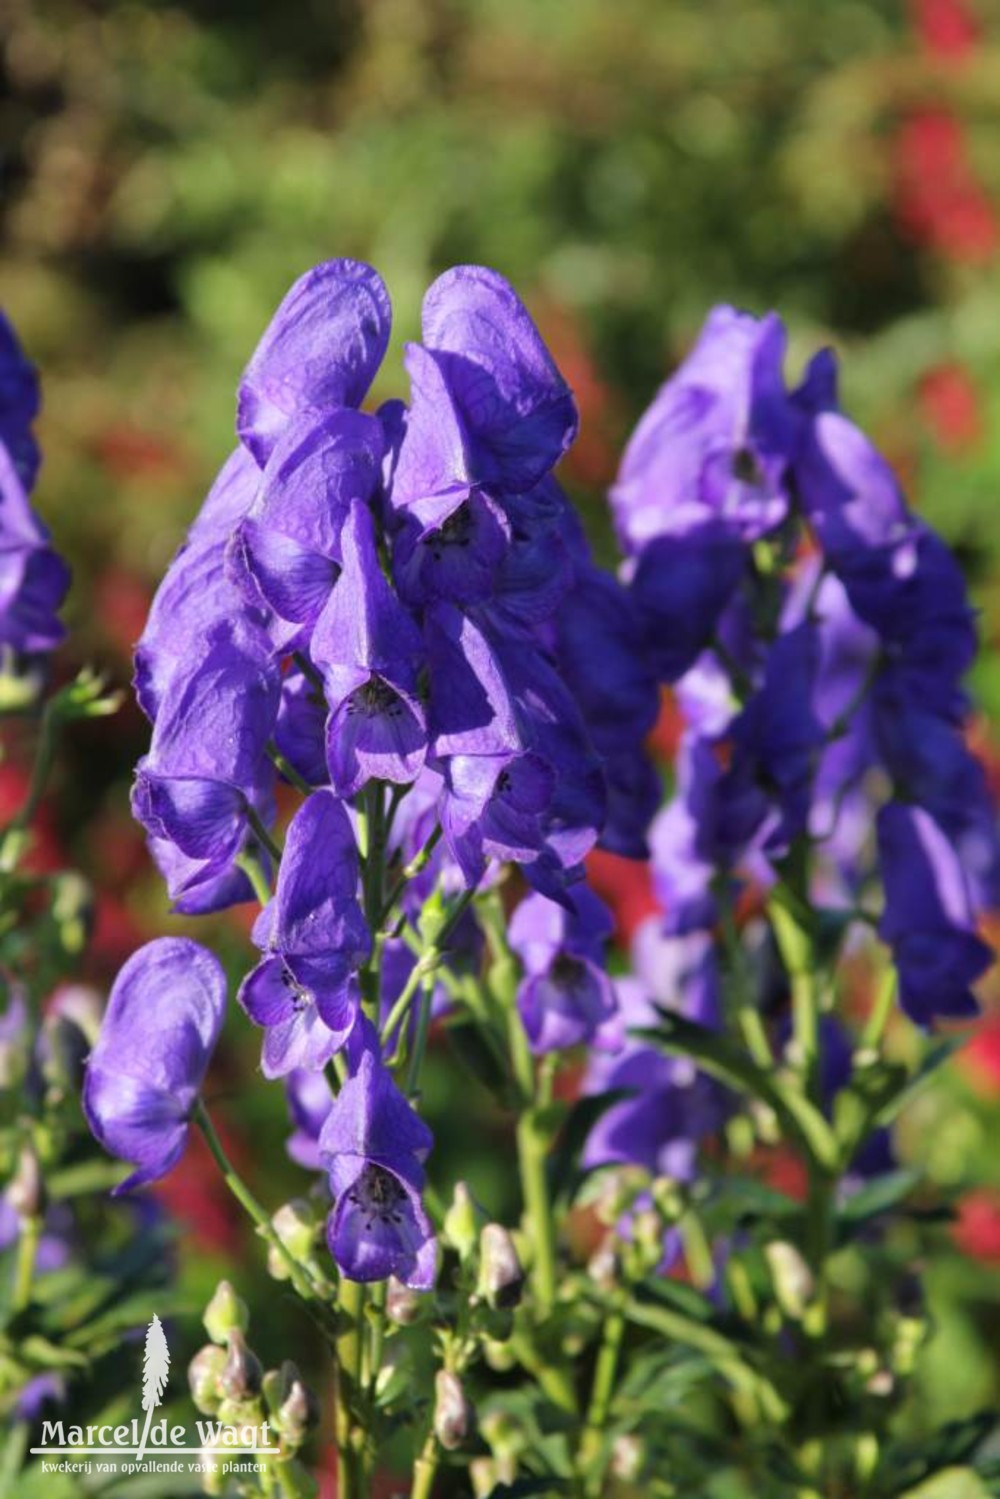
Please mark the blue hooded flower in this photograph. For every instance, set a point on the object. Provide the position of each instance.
(149, 1062)
(34, 579)
(928, 919)
(206, 763)
(19, 406)
(369, 650)
(374, 1146)
(321, 350)
(566, 998)
(313, 936)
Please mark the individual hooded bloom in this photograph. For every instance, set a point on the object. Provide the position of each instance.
(369, 649)
(374, 1146)
(566, 998)
(914, 597)
(470, 709)
(33, 577)
(287, 549)
(198, 886)
(776, 741)
(313, 936)
(149, 1062)
(197, 593)
(671, 1107)
(540, 563)
(457, 558)
(849, 493)
(19, 405)
(716, 442)
(928, 919)
(309, 1101)
(321, 350)
(494, 807)
(205, 763)
(516, 410)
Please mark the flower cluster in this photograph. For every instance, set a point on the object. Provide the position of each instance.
(33, 577)
(398, 614)
(815, 632)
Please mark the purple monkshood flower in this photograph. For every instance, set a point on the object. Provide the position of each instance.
(149, 1062)
(512, 410)
(286, 552)
(19, 404)
(566, 998)
(928, 919)
(321, 350)
(313, 936)
(206, 764)
(33, 577)
(368, 648)
(197, 594)
(715, 445)
(684, 842)
(374, 1146)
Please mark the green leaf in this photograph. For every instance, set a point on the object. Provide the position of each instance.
(950, 1483)
(719, 1057)
(878, 1196)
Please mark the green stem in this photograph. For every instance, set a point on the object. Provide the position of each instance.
(287, 769)
(409, 872)
(254, 871)
(425, 1468)
(590, 1464)
(27, 1251)
(885, 998)
(262, 835)
(351, 1437)
(420, 1035)
(298, 1275)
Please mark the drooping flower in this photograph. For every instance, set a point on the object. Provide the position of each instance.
(19, 405)
(374, 1145)
(34, 579)
(321, 350)
(368, 648)
(566, 997)
(149, 1062)
(206, 764)
(313, 936)
(929, 916)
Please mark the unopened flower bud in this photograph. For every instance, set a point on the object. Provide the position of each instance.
(791, 1277)
(277, 1385)
(501, 1276)
(242, 1374)
(295, 1224)
(402, 1306)
(463, 1221)
(498, 1355)
(72, 910)
(454, 1418)
(604, 1266)
(298, 1413)
(64, 1049)
(628, 1457)
(204, 1375)
(26, 1192)
(225, 1312)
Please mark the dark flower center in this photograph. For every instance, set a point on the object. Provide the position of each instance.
(456, 531)
(374, 698)
(300, 996)
(566, 971)
(745, 467)
(378, 1196)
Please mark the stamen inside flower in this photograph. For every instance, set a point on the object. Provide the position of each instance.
(456, 531)
(374, 698)
(378, 1196)
(745, 467)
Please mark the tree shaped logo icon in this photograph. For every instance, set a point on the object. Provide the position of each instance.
(155, 1368)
